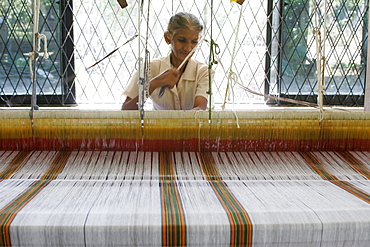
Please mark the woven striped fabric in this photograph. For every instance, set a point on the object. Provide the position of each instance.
(137, 198)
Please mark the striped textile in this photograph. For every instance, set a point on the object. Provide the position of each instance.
(123, 198)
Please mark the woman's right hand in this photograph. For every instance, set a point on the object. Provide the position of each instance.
(169, 78)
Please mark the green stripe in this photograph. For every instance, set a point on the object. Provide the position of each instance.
(240, 223)
(8, 213)
(238, 216)
(363, 195)
(317, 166)
(14, 164)
(173, 218)
(208, 166)
(350, 188)
(355, 163)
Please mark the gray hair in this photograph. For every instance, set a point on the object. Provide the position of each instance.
(184, 20)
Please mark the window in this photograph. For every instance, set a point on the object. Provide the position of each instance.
(55, 75)
(271, 49)
(344, 42)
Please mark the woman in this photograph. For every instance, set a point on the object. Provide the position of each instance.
(185, 88)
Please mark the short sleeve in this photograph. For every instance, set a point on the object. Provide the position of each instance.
(203, 81)
(132, 90)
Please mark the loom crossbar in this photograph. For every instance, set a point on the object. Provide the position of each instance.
(185, 131)
(84, 178)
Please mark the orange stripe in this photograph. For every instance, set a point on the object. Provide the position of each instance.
(56, 166)
(240, 224)
(350, 188)
(181, 214)
(208, 166)
(229, 215)
(164, 218)
(355, 163)
(317, 166)
(8, 213)
(363, 195)
(14, 165)
(173, 217)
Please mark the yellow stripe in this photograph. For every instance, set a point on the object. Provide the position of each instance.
(14, 165)
(240, 224)
(8, 213)
(319, 168)
(173, 216)
(355, 163)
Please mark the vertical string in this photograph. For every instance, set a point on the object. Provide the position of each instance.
(210, 64)
(140, 63)
(320, 56)
(323, 58)
(34, 55)
(147, 55)
(143, 63)
(232, 75)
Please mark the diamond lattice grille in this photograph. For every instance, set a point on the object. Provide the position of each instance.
(343, 26)
(271, 49)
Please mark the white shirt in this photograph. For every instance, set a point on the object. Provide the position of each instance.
(193, 82)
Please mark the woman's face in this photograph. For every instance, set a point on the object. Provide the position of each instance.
(182, 43)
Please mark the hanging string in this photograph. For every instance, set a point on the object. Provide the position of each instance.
(320, 55)
(143, 63)
(233, 78)
(147, 55)
(140, 62)
(298, 102)
(234, 81)
(34, 55)
(213, 49)
(232, 75)
(293, 101)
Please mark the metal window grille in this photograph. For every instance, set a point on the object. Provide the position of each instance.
(55, 74)
(271, 48)
(343, 26)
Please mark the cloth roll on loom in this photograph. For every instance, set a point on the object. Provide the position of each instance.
(249, 178)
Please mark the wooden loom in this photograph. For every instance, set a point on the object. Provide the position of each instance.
(249, 178)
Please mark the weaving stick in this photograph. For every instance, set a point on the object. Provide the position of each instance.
(122, 3)
(238, 1)
(161, 92)
(110, 53)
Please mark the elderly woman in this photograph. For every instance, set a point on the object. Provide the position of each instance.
(185, 88)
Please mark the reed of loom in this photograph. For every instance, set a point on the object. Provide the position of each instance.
(263, 130)
(101, 178)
